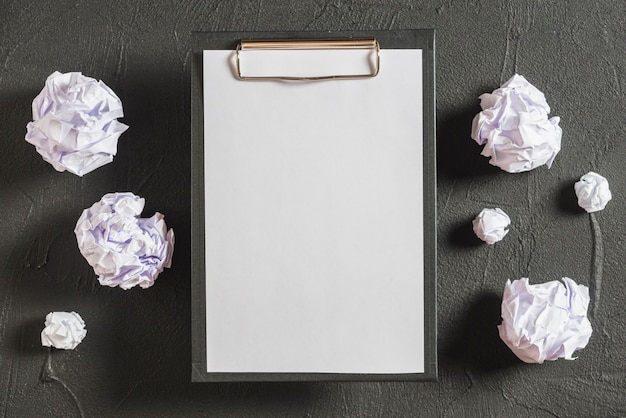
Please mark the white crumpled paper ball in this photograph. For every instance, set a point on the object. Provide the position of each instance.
(75, 125)
(515, 129)
(124, 249)
(593, 192)
(64, 330)
(545, 321)
(490, 225)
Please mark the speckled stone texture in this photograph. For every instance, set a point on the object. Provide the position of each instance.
(135, 360)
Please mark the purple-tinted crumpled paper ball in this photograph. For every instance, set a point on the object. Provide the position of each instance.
(124, 249)
(545, 321)
(75, 125)
(515, 129)
(64, 330)
(593, 192)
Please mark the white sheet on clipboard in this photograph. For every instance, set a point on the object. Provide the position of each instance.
(314, 219)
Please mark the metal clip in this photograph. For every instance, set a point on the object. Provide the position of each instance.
(309, 44)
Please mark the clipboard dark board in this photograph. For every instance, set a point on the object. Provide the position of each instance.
(421, 39)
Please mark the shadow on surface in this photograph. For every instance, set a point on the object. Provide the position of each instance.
(22, 163)
(461, 234)
(458, 155)
(267, 393)
(25, 337)
(475, 342)
(566, 200)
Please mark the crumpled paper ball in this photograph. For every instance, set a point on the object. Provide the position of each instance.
(124, 249)
(490, 225)
(593, 192)
(64, 330)
(545, 321)
(515, 129)
(75, 125)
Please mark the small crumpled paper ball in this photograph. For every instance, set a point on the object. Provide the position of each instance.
(515, 129)
(75, 125)
(490, 225)
(124, 249)
(64, 330)
(545, 321)
(593, 192)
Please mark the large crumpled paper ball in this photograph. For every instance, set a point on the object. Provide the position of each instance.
(515, 129)
(75, 125)
(124, 249)
(64, 330)
(545, 321)
(490, 225)
(593, 192)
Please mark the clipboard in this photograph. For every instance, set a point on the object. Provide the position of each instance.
(313, 207)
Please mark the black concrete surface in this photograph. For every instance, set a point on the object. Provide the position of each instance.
(135, 360)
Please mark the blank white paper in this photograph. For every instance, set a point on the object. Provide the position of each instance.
(314, 220)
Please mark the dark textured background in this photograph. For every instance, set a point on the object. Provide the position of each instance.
(135, 360)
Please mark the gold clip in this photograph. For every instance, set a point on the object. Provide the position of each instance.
(309, 44)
